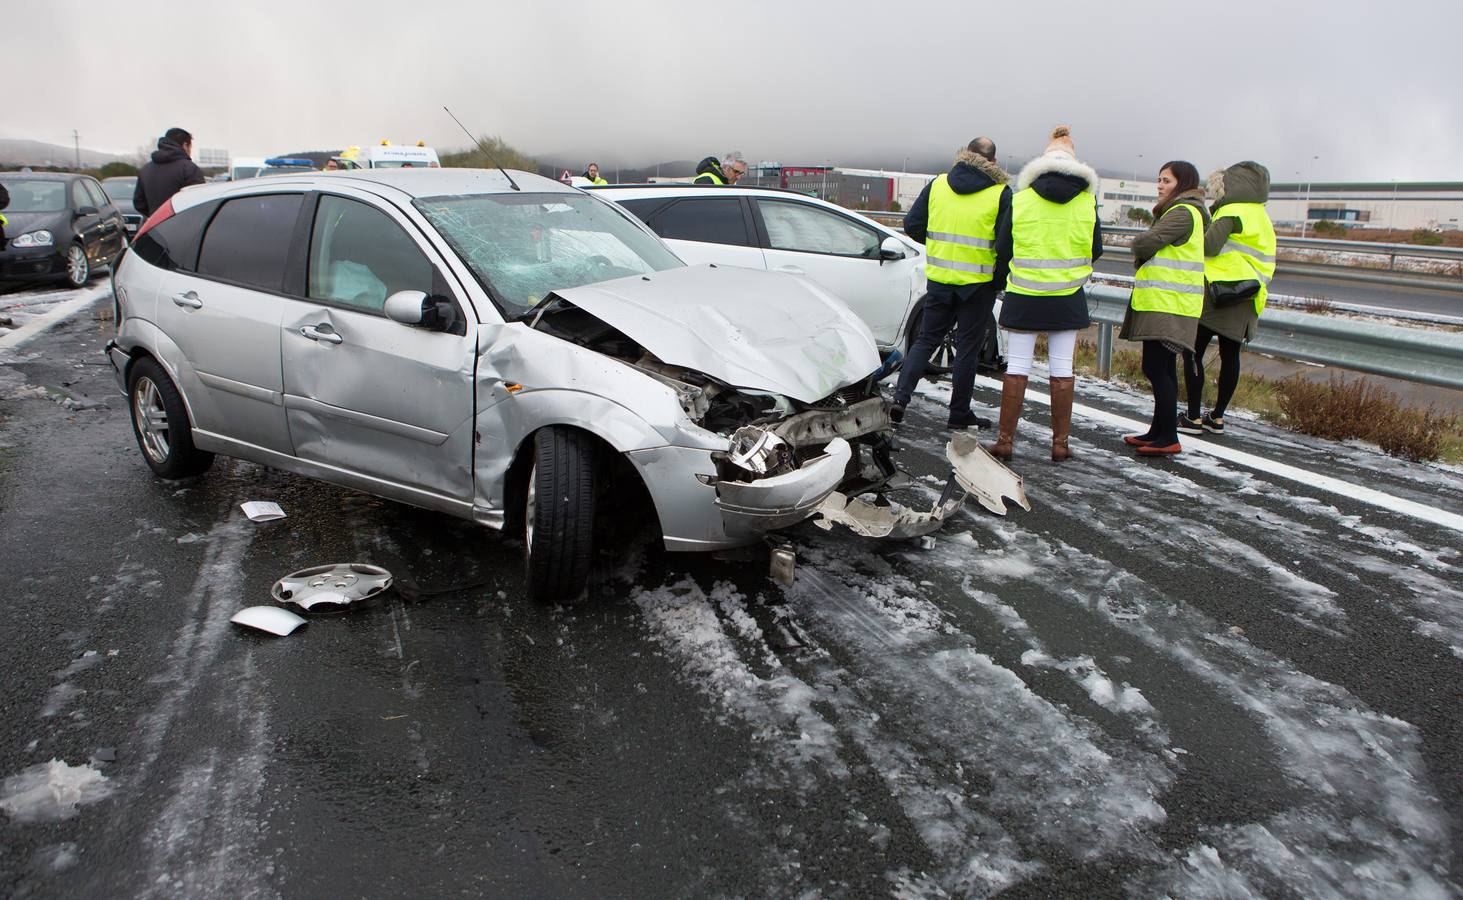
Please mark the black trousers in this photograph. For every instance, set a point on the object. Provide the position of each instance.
(1228, 372)
(942, 311)
(1160, 367)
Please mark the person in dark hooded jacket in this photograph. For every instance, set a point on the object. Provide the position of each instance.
(1054, 239)
(170, 170)
(963, 271)
(1239, 247)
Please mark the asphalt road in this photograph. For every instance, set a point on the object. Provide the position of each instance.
(1399, 297)
(1189, 677)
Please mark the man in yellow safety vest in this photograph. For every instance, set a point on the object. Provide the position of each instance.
(961, 217)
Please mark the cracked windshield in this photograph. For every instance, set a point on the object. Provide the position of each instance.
(522, 246)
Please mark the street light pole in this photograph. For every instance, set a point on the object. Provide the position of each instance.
(76, 141)
(1305, 217)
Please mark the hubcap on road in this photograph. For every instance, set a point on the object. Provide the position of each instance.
(76, 265)
(151, 419)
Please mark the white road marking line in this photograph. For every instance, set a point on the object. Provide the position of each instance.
(1282, 470)
(41, 324)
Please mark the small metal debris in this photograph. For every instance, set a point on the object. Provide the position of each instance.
(782, 565)
(331, 588)
(927, 543)
(262, 510)
(268, 618)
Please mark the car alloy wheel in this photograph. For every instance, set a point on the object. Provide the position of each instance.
(529, 513)
(78, 270)
(152, 419)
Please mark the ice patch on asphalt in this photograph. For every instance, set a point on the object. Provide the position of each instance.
(52, 790)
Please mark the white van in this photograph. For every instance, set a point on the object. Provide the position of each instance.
(388, 156)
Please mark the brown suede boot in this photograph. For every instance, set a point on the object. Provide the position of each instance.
(1061, 416)
(1013, 392)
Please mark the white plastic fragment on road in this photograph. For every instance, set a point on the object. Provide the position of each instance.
(272, 619)
(262, 510)
(983, 476)
(52, 790)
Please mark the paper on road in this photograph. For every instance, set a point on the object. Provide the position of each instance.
(262, 510)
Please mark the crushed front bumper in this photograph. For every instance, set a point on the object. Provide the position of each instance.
(750, 509)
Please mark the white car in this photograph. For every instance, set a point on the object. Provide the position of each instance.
(877, 271)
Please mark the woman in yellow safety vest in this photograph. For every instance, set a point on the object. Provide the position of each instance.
(1239, 261)
(1168, 298)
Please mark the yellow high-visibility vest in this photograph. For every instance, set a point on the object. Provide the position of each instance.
(960, 243)
(1173, 280)
(598, 181)
(1249, 253)
(715, 178)
(1051, 244)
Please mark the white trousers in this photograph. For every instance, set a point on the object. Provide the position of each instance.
(1021, 347)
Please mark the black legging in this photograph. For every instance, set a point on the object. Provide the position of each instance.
(1228, 372)
(1159, 365)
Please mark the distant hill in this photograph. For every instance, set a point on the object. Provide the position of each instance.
(20, 152)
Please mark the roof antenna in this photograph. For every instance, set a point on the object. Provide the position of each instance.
(479, 142)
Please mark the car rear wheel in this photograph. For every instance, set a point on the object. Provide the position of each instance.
(160, 423)
(558, 515)
(78, 267)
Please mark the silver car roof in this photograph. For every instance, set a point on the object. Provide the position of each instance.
(413, 183)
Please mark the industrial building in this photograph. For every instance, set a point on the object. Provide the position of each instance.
(1405, 205)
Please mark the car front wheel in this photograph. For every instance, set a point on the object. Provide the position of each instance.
(78, 267)
(558, 515)
(160, 422)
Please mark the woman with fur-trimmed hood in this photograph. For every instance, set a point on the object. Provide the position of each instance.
(1053, 214)
(1165, 333)
(1235, 323)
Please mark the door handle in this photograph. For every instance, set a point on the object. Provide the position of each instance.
(315, 334)
(795, 270)
(188, 299)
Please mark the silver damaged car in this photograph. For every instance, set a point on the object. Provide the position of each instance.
(516, 352)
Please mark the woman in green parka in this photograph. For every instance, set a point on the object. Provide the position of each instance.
(1168, 298)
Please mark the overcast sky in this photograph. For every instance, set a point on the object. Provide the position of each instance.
(1370, 88)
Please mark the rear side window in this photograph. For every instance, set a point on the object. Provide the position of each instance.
(359, 256)
(173, 242)
(797, 226)
(248, 242)
(715, 220)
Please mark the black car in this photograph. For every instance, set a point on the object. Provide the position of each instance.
(60, 226)
(120, 190)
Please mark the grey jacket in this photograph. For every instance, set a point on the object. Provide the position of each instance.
(1244, 182)
(1150, 325)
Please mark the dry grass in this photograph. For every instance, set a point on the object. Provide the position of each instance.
(1321, 306)
(1337, 410)
(1341, 410)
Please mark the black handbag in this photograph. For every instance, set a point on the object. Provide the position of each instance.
(1225, 294)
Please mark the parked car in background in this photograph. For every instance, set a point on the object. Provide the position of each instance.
(533, 359)
(876, 270)
(60, 226)
(120, 190)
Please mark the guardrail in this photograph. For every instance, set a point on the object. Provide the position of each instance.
(1370, 248)
(1412, 354)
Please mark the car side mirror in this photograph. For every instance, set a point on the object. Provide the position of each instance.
(407, 307)
(891, 250)
(424, 310)
(87, 211)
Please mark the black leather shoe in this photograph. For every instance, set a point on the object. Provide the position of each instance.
(896, 413)
(970, 420)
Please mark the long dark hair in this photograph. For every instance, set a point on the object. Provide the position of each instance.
(1188, 179)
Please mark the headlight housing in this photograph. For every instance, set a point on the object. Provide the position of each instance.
(42, 238)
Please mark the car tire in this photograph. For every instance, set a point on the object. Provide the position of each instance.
(558, 515)
(160, 423)
(78, 267)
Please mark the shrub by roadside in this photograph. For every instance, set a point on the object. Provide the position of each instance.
(1337, 410)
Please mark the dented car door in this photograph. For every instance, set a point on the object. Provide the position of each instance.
(362, 392)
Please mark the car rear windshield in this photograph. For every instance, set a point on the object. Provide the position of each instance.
(120, 188)
(523, 246)
(35, 196)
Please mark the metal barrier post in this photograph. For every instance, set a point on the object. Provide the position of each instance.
(1104, 350)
